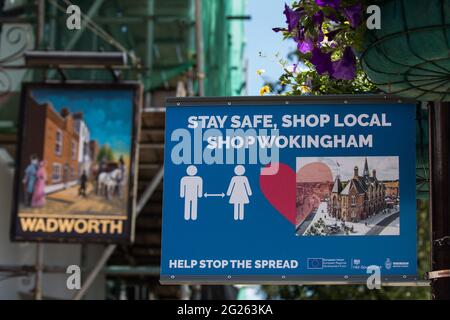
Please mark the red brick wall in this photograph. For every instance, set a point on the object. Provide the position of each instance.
(34, 133)
(55, 122)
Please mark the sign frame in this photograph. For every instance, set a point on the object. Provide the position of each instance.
(127, 236)
(390, 280)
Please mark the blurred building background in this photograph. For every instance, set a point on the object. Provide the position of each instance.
(163, 45)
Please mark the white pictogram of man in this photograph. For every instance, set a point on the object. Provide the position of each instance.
(191, 188)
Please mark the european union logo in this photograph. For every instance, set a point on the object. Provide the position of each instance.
(315, 263)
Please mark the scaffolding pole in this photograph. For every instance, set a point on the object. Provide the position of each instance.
(39, 271)
(40, 24)
(199, 48)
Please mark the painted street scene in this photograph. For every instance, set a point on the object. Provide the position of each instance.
(347, 196)
(76, 158)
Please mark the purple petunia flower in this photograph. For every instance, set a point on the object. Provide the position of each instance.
(329, 3)
(320, 36)
(317, 18)
(354, 14)
(345, 68)
(292, 17)
(305, 46)
(322, 61)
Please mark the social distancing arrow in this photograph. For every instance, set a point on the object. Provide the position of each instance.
(222, 195)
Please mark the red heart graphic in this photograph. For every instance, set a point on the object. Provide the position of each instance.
(279, 189)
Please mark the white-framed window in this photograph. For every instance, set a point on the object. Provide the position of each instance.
(353, 214)
(353, 200)
(56, 172)
(74, 150)
(59, 142)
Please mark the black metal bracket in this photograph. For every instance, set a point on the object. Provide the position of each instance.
(59, 70)
(442, 242)
(116, 74)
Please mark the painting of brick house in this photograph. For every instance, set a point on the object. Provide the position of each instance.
(53, 139)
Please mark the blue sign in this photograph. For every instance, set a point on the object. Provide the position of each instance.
(285, 190)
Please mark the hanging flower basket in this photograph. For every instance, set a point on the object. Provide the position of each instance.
(410, 54)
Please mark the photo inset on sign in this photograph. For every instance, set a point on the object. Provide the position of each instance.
(347, 196)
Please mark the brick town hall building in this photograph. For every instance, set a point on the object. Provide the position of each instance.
(359, 199)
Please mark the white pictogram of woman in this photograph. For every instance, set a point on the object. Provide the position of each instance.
(239, 190)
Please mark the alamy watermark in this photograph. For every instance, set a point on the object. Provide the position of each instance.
(374, 280)
(73, 21)
(73, 281)
(374, 18)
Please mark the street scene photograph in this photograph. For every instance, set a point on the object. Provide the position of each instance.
(347, 196)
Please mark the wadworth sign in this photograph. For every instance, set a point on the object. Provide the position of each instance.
(75, 170)
(280, 189)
